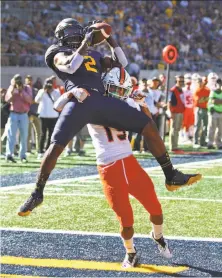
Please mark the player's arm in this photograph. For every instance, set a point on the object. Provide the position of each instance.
(70, 63)
(79, 93)
(118, 54)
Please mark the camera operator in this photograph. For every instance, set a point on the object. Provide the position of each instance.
(20, 99)
(48, 116)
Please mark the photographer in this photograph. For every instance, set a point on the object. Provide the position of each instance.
(20, 99)
(48, 116)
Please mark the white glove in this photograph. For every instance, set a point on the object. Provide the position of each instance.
(80, 94)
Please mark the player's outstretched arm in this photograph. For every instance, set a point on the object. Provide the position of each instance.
(79, 93)
(117, 51)
(70, 63)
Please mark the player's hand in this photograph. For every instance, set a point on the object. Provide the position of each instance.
(80, 94)
(90, 23)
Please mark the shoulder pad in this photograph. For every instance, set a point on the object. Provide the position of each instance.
(52, 51)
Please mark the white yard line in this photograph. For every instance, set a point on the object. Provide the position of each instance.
(199, 164)
(102, 196)
(45, 231)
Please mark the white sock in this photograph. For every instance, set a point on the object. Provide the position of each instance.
(157, 231)
(128, 244)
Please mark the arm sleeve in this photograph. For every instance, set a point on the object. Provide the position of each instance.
(121, 56)
(61, 102)
(74, 64)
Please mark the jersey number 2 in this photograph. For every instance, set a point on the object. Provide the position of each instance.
(121, 135)
(90, 64)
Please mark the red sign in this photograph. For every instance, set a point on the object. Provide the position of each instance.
(170, 54)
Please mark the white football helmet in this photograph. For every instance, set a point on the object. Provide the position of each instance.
(117, 83)
(195, 76)
(187, 78)
(212, 76)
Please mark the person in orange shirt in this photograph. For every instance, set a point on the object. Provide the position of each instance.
(200, 99)
(188, 115)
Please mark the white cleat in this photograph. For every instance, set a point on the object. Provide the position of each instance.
(163, 247)
(130, 260)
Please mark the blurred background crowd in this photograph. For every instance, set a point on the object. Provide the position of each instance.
(143, 28)
(192, 109)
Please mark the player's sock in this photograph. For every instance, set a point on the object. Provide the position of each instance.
(128, 244)
(157, 231)
(40, 184)
(166, 166)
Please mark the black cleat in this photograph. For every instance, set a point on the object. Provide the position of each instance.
(10, 158)
(180, 180)
(24, 160)
(32, 202)
(130, 260)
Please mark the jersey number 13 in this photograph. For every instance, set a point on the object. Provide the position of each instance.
(121, 134)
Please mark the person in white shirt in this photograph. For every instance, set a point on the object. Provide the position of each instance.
(48, 116)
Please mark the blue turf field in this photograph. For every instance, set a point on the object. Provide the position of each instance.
(199, 258)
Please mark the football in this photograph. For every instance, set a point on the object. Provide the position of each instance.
(104, 31)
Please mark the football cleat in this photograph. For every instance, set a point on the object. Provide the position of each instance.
(130, 260)
(32, 202)
(180, 180)
(10, 158)
(162, 246)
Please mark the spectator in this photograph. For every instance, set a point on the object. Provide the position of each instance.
(154, 90)
(4, 115)
(34, 121)
(215, 116)
(61, 89)
(212, 81)
(20, 98)
(48, 116)
(200, 99)
(188, 115)
(38, 84)
(176, 106)
(135, 22)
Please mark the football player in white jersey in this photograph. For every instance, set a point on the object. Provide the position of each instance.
(212, 81)
(121, 174)
(188, 114)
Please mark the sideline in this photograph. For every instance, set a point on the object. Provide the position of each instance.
(196, 163)
(83, 233)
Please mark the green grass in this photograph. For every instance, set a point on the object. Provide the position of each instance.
(67, 162)
(34, 164)
(87, 213)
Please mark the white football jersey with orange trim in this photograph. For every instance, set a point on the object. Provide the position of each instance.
(188, 97)
(110, 144)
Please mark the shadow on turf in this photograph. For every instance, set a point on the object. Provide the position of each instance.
(212, 273)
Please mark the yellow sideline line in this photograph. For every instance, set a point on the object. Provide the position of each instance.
(93, 265)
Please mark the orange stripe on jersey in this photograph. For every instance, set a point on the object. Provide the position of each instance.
(122, 76)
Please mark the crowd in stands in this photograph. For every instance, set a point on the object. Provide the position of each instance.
(143, 28)
(192, 108)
